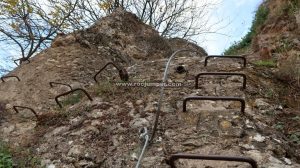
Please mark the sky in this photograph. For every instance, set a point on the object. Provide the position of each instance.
(237, 15)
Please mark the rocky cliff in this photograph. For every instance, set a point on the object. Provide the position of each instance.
(104, 132)
(279, 34)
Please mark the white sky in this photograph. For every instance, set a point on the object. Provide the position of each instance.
(239, 13)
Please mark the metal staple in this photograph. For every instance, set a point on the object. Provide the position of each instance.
(226, 57)
(23, 107)
(122, 72)
(175, 157)
(215, 98)
(10, 76)
(21, 61)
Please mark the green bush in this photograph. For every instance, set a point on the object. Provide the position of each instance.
(259, 19)
(105, 88)
(295, 137)
(22, 158)
(291, 7)
(5, 157)
(73, 99)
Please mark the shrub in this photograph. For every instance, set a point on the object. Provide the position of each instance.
(22, 157)
(295, 138)
(72, 99)
(5, 157)
(290, 7)
(105, 88)
(289, 70)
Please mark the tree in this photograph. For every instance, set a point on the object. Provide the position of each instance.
(180, 18)
(30, 25)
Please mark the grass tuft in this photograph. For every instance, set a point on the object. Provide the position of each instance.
(266, 63)
(72, 99)
(5, 156)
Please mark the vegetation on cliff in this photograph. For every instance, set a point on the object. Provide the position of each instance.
(245, 43)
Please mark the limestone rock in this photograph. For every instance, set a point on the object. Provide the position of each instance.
(76, 151)
(261, 104)
(140, 123)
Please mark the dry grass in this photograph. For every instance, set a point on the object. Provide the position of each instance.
(289, 70)
(266, 63)
(5, 156)
(2, 110)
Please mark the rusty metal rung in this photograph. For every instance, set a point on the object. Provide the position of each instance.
(21, 60)
(71, 91)
(214, 98)
(10, 76)
(23, 107)
(175, 157)
(221, 73)
(122, 72)
(225, 57)
(58, 83)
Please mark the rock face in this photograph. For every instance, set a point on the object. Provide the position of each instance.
(106, 132)
(278, 38)
(74, 58)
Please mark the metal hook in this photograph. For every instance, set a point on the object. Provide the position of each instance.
(122, 72)
(21, 61)
(17, 111)
(10, 76)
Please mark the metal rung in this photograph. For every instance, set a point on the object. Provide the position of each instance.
(175, 157)
(214, 98)
(23, 107)
(21, 60)
(221, 73)
(225, 57)
(122, 72)
(10, 76)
